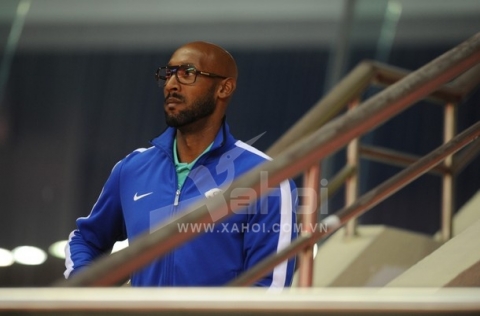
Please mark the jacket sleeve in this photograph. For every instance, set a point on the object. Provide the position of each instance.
(97, 233)
(272, 227)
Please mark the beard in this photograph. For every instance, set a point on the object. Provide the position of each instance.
(202, 107)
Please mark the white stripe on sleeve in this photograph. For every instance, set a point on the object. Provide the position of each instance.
(285, 234)
(68, 257)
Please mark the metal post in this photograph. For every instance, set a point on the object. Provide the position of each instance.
(351, 184)
(448, 189)
(309, 221)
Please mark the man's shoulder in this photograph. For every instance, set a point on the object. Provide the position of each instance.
(139, 153)
(243, 156)
(252, 152)
(251, 157)
(138, 156)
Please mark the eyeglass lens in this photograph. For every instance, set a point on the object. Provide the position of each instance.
(184, 73)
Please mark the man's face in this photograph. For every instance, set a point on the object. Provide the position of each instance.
(188, 112)
(185, 104)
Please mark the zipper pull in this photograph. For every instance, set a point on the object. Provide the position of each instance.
(177, 197)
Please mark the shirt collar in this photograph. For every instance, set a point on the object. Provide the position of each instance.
(185, 165)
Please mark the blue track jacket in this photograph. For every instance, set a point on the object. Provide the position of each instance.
(141, 192)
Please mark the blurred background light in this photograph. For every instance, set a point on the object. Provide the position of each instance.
(6, 258)
(29, 255)
(57, 249)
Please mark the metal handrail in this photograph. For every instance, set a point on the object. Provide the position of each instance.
(386, 75)
(354, 83)
(291, 161)
(463, 158)
(350, 87)
(339, 179)
(395, 158)
(239, 301)
(361, 205)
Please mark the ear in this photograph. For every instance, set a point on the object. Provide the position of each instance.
(226, 88)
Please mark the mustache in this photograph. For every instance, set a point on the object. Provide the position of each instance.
(175, 96)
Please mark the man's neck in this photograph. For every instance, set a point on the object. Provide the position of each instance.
(192, 140)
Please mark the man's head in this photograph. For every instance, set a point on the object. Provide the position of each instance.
(199, 81)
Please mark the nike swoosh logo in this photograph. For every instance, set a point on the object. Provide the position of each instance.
(138, 197)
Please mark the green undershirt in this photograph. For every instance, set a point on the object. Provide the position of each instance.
(183, 168)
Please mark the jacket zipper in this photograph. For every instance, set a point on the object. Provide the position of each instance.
(177, 197)
(170, 257)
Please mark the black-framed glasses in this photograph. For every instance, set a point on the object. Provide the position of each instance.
(185, 74)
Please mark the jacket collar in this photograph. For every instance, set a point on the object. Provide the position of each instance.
(165, 140)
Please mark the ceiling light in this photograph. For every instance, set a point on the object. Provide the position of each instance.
(57, 249)
(29, 255)
(6, 258)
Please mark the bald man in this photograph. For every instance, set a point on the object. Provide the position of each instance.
(194, 159)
